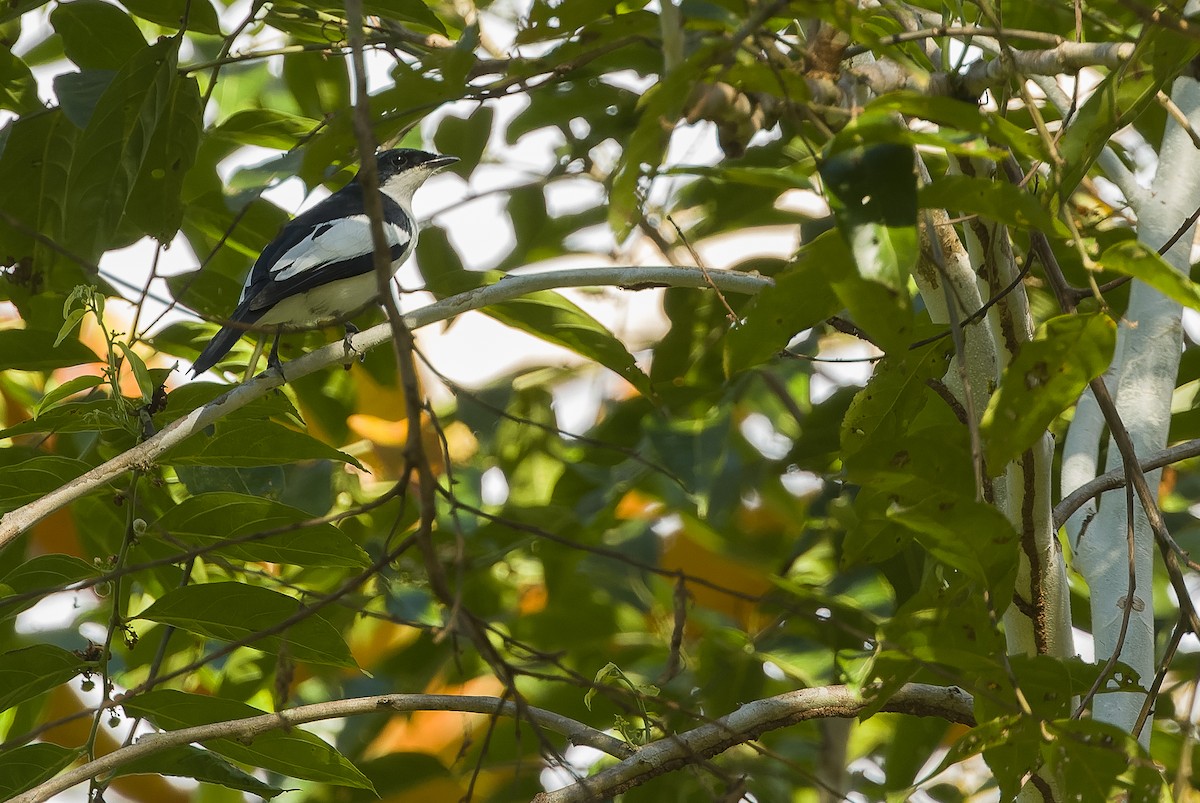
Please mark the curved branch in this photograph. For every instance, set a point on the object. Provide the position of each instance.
(244, 730)
(1116, 479)
(18, 521)
(752, 720)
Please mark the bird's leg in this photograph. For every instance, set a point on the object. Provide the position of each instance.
(351, 331)
(273, 357)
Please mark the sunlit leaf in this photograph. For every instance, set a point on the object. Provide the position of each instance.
(292, 752)
(1046, 377)
(27, 672)
(241, 443)
(223, 518)
(237, 612)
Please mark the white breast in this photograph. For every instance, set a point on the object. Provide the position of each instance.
(328, 303)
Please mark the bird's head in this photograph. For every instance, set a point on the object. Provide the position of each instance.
(403, 170)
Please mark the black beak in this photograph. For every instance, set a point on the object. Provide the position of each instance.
(437, 161)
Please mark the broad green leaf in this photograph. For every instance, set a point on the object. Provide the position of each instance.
(897, 391)
(186, 761)
(266, 128)
(319, 84)
(1099, 761)
(973, 537)
(875, 189)
(79, 92)
(213, 518)
(293, 752)
(87, 416)
(999, 201)
(25, 767)
(1045, 378)
(34, 350)
(27, 672)
(557, 320)
(237, 611)
(1136, 259)
(96, 35)
(465, 137)
(877, 125)
(21, 483)
(141, 373)
(241, 443)
(18, 89)
(873, 193)
(201, 16)
(965, 117)
(155, 204)
(18, 588)
(800, 298)
(68, 388)
(111, 150)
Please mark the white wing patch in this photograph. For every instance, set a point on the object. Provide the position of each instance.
(331, 242)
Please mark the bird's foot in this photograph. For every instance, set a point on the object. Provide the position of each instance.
(351, 352)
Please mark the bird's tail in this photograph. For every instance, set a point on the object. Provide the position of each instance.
(220, 345)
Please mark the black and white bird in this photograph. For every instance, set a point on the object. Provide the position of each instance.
(319, 269)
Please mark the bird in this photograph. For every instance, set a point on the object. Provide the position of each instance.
(320, 268)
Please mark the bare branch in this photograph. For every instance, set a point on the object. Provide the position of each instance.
(244, 730)
(752, 720)
(1116, 479)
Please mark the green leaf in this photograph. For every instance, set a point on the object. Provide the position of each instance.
(28, 672)
(895, 394)
(1136, 259)
(18, 88)
(79, 92)
(68, 388)
(294, 752)
(1045, 378)
(973, 537)
(111, 151)
(25, 767)
(873, 193)
(251, 443)
(465, 137)
(236, 611)
(186, 761)
(218, 517)
(201, 16)
(97, 35)
(70, 324)
(31, 479)
(553, 318)
(319, 84)
(140, 372)
(996, 200)
(800, 298)
(155, 204)
(40, 573)
(266, 128)
(35, 350)
(964, 116)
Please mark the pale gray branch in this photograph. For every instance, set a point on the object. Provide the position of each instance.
(1116, 479)
(748, 723)
(245, 730)
(144, 454)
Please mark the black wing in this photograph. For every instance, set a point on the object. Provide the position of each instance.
(329, 242)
